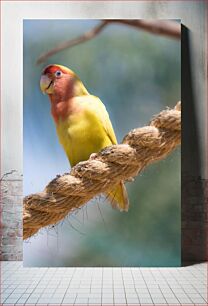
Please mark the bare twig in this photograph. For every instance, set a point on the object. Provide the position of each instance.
(166, 28)
(161, 27)
(73, 42)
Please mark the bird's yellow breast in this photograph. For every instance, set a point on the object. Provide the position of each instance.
(82, 134)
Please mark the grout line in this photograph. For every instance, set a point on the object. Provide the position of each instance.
(135, 286)
(147, 287)
(122, 276)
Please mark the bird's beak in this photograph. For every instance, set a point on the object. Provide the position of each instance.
(46, 84)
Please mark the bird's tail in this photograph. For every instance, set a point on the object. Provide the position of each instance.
(118, 197)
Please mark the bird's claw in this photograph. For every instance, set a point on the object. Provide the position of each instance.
(93, 155)
(130, 179)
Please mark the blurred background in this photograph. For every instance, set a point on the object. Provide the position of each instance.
(136, 75)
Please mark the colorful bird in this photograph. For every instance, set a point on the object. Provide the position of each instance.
(82, 122)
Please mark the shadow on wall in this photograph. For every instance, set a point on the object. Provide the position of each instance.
(193, 242)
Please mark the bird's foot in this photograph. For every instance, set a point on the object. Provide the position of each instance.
(93, 155)
(130, 179)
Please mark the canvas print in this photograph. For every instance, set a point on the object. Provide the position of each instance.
(102, 143)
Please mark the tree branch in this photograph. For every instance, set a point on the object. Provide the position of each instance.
(73, 42)
(166, 28)
(170, 29)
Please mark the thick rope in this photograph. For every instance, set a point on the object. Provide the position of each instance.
(68, 192)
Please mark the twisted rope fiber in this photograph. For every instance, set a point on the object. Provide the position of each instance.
(67, 193)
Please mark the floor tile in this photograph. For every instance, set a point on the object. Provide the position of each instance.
(112, 286)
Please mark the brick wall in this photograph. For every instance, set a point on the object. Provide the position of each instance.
(194, 217)
(11, 217)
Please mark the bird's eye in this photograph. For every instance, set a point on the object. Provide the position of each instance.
(58, 73)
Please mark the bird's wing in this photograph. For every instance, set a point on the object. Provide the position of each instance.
(98, 108)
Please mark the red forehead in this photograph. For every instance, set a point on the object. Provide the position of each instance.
(52, 69)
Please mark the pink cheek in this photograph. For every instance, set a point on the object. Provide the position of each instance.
(57, 84)
(60, 85)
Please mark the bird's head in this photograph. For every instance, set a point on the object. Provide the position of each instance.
(61, 82)
(55, 78)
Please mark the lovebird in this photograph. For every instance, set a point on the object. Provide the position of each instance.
(82, 122)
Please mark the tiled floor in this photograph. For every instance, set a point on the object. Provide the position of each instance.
(103, 286)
